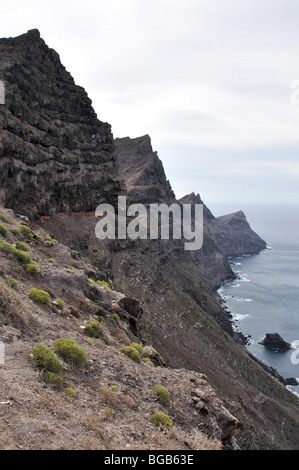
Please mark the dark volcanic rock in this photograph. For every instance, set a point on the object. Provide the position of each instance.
(231, 233)
(275, 341)
(142, 171)
(55, 155)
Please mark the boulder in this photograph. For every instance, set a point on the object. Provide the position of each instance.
(275, 341)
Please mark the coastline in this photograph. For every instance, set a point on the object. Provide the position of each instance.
(245, 339)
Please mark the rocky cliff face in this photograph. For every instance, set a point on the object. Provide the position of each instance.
(231, 233)
(55, 155)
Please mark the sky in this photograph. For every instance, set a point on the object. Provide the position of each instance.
(215, 83)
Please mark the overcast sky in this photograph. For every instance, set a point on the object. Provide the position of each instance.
(208, 80)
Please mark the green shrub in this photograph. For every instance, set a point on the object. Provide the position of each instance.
(15, 231)
(51, 260)
(22, 246)
(3, 231)
(104, 284)
(161, 418)
(109, 412)
(40, 296)
(5, 219)
(131, 352)
(31, 268)
(22, 256)
(93, 328)
(116, 317)
(26, 231)
(91, 281)
(60, 304)
(71, 352)
(50, 241)
(53, 379)
(138, 347)
(6, 247)
(102, 313)
(13, 283)
(162, 394)
(43, 358)
(70, 392)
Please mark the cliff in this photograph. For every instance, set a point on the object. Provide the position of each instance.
(158, 295)
(48, 127)
(231, 233)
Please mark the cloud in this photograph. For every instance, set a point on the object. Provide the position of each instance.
(209, 80)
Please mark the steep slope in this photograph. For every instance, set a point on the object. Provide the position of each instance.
(163, 297)
(48, 126)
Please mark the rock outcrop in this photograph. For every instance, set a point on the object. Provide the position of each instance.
(275, 341)
(231, 233)
(55, 155)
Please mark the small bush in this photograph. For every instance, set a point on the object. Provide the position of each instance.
(26, 231)
(70, 392)
(109, 412)
(50, 241)
(13, 283)
(104, 284)
(60, 304)
(3, 231)
(162, 394)
(31, 268)
(90, 281)
(1, 272)
(5, 219)
(138, 347)
(6, 247)
(53, 379)
(44, 358)
(116, 317)
(22, 246)
(132, 353)
(69, 267)
(93, 328)
(40, 296)
(51, 260)
(161, 418)
(22, 256)
(71, 352)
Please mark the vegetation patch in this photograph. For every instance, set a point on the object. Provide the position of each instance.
(3, 231)
(13, 283)
(161, 419)
(22, 246)
(40, 296)
(104, 284)
(5, 219)
(93, 328)
(132, 353)
(71, 352)
(45, 359)
(162, 394)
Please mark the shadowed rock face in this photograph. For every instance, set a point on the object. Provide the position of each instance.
(231, 233)
(55, 154)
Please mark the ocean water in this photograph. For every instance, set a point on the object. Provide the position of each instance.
(265, 296)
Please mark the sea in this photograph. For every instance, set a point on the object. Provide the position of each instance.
(264, 298)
